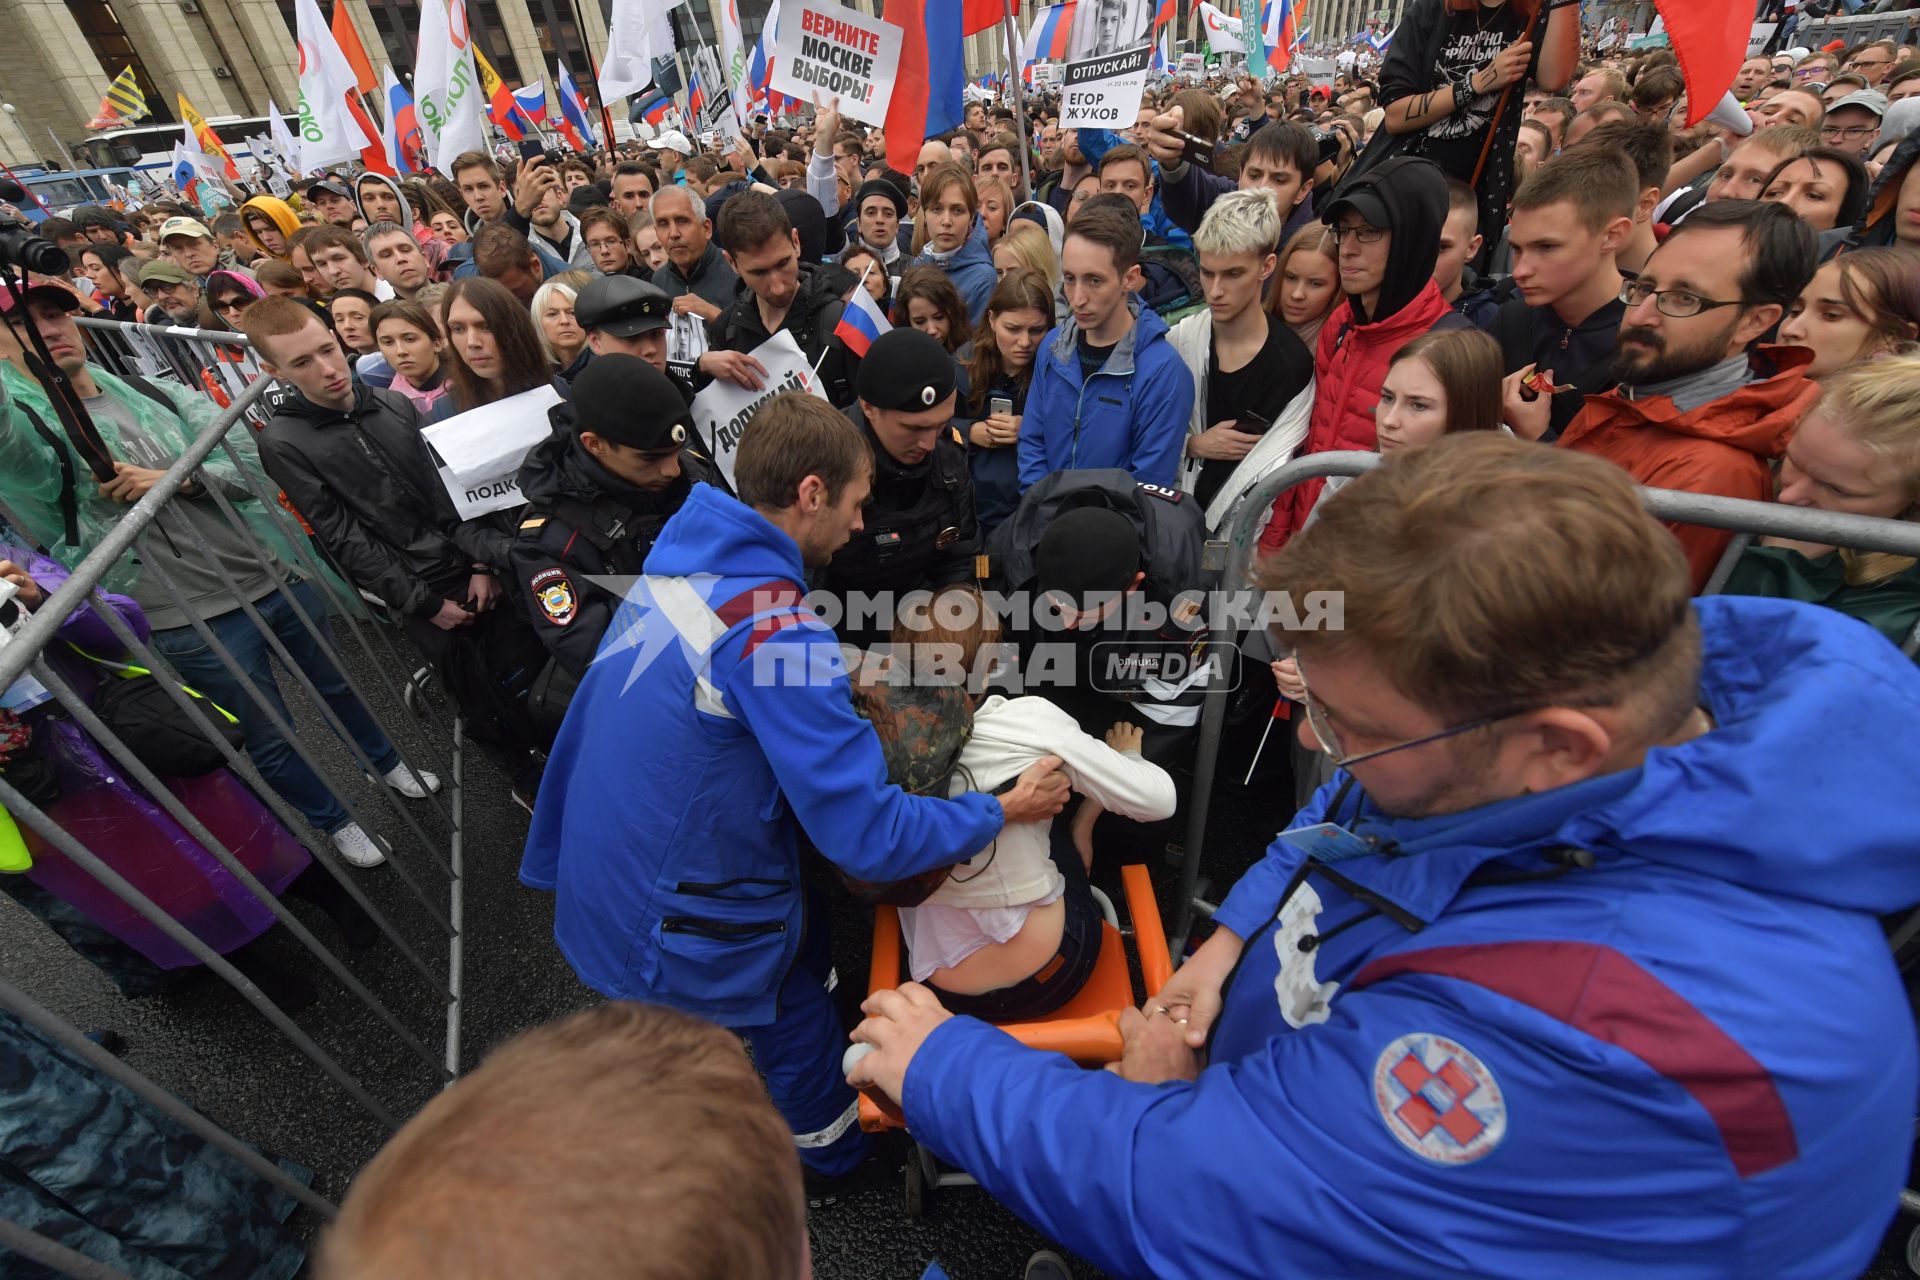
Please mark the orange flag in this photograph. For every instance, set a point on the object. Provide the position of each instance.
(348, 39)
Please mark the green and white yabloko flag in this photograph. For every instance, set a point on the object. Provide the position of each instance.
(446, 88)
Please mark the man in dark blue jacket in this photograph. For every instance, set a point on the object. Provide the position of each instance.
(677, 881)
(1577, 957)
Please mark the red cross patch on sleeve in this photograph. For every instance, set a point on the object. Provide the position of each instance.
(1439, 1100)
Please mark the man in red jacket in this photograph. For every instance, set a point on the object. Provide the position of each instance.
(1388, 224)
(1698, 407)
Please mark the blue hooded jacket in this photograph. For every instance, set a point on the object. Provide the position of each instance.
(1094, 145)
(1131, 413)
(971, 269)
(714, 725)
(1461, 1053)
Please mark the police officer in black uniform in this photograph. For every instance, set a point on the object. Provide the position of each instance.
(920, 531)
(624, 316)
(597, 496)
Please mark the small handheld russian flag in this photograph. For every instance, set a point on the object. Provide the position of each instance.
(861, 324)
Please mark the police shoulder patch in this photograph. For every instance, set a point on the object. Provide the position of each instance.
(553, 593)
(533, 523)
(1161, 492)
(1438, 1099)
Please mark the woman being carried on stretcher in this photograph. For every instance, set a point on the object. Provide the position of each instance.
(1014, 932)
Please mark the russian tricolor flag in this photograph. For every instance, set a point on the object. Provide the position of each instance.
(929, 87)
(1047, 38)
(575, 125)
(861, 324)
(655, 107)
(532, 101)
(696, 96)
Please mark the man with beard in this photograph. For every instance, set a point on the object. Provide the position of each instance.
(1599, 859)
(1699, 407)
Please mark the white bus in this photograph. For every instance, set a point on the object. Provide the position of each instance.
(150, 146)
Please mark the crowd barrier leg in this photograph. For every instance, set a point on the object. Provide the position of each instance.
(57, 836)
(242, 765)
(160, 794)
(325, 644)
(318, 575)
(264, 705)
(35, 1247)
(63, 1033)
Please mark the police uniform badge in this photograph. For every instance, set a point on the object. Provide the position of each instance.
(553, 593)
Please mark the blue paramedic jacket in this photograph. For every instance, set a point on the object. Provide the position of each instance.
(1691, 1058)
(714, 724)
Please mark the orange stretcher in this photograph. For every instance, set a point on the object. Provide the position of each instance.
(1086, 1028)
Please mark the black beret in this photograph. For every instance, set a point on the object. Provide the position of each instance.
(907, 370)
(624, 400)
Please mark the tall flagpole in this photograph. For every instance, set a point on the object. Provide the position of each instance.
(1019, 98)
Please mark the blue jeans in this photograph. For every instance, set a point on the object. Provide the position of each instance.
(202, 668)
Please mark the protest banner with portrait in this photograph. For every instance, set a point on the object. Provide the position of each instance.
(1104, 93)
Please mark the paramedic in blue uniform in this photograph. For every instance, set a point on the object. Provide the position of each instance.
(714, 726)
(1574, 968)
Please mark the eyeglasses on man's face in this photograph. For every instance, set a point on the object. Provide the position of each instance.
(1329, 740)
(1678, 303)
(1360, 232)
(1848, 133)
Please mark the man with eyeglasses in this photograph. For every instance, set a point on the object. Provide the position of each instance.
(1387, 224)
(1576, 958)
(1699, 407)
(1853, 122)
(1873, 61)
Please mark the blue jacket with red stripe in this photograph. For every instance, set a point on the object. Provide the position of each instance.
(1683, 1051)
(713, 726)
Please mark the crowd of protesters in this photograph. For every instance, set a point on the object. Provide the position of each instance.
(1102, 342)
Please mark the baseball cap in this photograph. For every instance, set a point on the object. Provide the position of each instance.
(331, 185)
(162, 270)
(624, 400)
(672, 140)
(1872, 101)
(622, 306)
(39, 293)
(1087, 551)
(182, 227)
(907, 370)
(1368, 204)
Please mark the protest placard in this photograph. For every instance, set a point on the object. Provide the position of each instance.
(722, 411)
(480, 451)
(1193, 67)
(827, 50)
(1104, 93)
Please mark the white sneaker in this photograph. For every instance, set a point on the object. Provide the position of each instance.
(357, 847)
(400, 778)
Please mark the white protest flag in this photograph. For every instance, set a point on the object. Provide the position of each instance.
(328, 132)
(733, 55)
(1223, 32)
(828, 50)
(638, 33)
(446, 88)
(283, 144)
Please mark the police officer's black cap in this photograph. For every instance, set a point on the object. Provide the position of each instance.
(881, 187)
(624, 400)
(1087, 551)
(621, 306)
(906, 369)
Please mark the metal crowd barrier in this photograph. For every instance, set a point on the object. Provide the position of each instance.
(214, 362)
(425, 853)
(1243, 533)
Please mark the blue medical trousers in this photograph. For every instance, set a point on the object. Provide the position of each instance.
(800, 1052)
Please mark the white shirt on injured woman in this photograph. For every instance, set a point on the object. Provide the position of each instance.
(987, 898)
